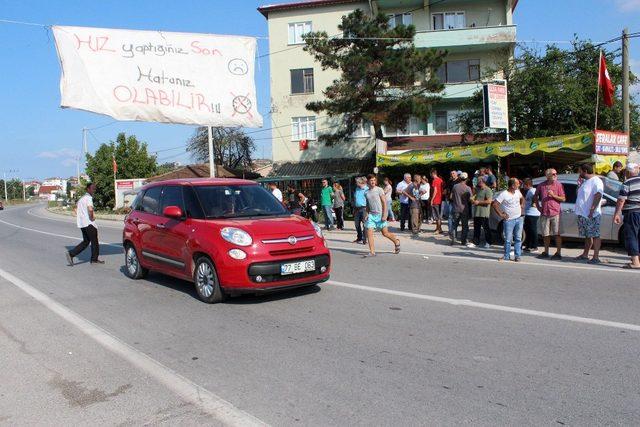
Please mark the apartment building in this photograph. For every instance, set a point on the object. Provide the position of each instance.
(478, 34)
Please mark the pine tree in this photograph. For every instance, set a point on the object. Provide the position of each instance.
(384, 78)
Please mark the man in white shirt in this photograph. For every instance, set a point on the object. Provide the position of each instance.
(510, 206)
(86, 222)
(404, 200)
(276, 191)
(589, 212)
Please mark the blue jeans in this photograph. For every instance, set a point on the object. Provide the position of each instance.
(390, 215)
(328, 217)
(513, 230)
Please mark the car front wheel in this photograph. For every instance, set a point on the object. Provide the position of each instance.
(133, 268)
(206, 281)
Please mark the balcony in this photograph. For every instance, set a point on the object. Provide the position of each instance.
(467, 39)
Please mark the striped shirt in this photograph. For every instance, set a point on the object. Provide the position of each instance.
(630, 193)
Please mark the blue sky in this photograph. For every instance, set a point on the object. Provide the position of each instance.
(39, 139)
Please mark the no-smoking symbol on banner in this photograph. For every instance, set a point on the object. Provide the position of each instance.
(241, 104)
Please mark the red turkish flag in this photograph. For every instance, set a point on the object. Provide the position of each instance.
(605, 83)
(115, 165)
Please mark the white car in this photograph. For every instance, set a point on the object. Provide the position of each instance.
(609, 231)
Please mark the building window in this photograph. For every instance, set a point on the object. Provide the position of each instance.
(467, 70)
(412, 128)
(447, 122)
(302, 81)
(399, 19)
(363, 130)
(448, 20)
(303, 128)
(297, 30)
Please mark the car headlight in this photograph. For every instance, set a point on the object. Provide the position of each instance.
(236, 236)
(318, 229)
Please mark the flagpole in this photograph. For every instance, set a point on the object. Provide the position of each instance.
(595, 127)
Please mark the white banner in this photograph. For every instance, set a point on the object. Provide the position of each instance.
(154, 76)
(496, 106)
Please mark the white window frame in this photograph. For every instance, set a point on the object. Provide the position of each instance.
(444, 14)
(405, 16)
(303, 127)
(295, 31)
(412, 129)
(363, 130)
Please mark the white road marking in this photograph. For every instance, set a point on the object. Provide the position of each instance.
(191, 392)
(495, 260)
(469, 303)
(116, 245)
(70, 220)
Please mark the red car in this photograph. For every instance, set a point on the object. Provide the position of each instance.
(228, 236)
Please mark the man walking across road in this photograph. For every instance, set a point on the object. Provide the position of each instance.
(589, 212)
(547, 199)
(360, 210)
(510, 206)
(531, 216)
(436, 199)
(85, 219)
(460, 209)
(404, 200)
(326, 200)
(482, 203)
(377, 216)
(629, 206)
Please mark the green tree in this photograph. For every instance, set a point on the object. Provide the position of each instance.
(384, 78)
(554, 93)
(167, 167)
(231, 146)
(14, 188)
(132, 159)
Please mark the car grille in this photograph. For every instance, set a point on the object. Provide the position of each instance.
(291, 251)
(270, 271)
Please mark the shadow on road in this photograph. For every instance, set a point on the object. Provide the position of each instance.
(189, 289)
(85, 256)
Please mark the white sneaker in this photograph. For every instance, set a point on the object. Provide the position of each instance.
(471, 245)
(486, 246)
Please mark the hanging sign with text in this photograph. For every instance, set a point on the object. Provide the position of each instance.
(495, 105)
(157, 76)
(610, 143)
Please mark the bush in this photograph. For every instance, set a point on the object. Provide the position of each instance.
(122, 211)
(53, 204)
(395, 207)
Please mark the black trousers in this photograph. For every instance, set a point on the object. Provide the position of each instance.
(426, 209)
(358, 218)
(89, 236)
(531, 232)
(339, 218)
(405, 215)
(480, 224)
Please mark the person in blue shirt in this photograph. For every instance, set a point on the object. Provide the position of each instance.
(360, 209)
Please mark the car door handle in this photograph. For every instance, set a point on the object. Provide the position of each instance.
(161, 226)
(135, 221)
(567, 210)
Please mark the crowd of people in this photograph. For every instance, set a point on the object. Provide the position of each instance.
(524, 209)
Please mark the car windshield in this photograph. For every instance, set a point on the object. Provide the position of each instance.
(238, 201)
(612, 187)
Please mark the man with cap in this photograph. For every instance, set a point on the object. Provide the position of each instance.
(629, 206)
(460, 208)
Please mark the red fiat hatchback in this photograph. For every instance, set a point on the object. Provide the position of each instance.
(228, 236)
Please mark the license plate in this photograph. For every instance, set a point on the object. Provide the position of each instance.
(297, 267)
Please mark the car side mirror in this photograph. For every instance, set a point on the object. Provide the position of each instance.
(172, 212)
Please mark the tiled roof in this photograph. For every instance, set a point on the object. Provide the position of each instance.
(300, 4)
(324, 168)
(48, 189)
(202, 171)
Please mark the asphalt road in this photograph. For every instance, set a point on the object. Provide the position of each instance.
(435, 336)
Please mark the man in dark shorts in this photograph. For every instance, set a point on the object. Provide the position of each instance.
(629, 206)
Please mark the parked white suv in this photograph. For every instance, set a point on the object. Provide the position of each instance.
(609, 231)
